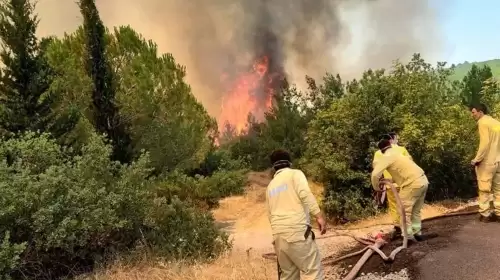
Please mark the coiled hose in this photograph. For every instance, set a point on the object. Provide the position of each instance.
(374, 244)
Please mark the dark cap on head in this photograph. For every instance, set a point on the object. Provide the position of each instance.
(280, 159)
(480, 107)
(384, 144)
(279, 155)
(386, 137)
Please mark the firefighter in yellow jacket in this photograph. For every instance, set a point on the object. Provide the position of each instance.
(487, 163)
(391, 200)
(289, 203)
(411, 180)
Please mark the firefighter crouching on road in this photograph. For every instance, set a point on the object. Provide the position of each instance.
(391, 199)
(411, 180)
(487, 163)
(289, 203)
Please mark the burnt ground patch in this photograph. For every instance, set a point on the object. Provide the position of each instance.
(445, 228)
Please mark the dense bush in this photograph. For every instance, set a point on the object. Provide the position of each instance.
(203, 190)
(62, 210)
(218, 159)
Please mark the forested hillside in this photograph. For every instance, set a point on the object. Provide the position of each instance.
(461, 69)
(106, 152)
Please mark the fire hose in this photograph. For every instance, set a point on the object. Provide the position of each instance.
(374, 244)
(379, 242)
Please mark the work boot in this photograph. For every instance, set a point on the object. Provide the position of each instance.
(487, 219)
(396, 233)
(423, 237)
(496, 217)
(412, 240)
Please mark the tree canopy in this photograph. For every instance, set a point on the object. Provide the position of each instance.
(25, 77)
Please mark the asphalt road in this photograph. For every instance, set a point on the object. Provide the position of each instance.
(473, 254)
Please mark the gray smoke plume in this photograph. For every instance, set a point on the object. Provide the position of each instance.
(220, 38)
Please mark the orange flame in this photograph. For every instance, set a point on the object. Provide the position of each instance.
(243, 98)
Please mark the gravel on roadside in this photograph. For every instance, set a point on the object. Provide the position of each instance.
(401, 275)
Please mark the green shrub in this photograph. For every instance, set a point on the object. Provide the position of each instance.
(66, 212)
(220, 159)
(9, 256)
(200, 189)
(180, 230)
(350, 205)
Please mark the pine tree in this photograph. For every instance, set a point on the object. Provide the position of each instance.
(473, 82)
(106, 116)
(26, 75)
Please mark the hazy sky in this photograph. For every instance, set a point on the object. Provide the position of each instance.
(472, 29)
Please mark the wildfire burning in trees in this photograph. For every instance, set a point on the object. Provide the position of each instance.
(251, 91)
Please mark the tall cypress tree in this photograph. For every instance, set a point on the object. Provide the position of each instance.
(26, 75)
(106, 117)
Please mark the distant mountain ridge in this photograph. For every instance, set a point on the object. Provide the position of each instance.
(462, 68)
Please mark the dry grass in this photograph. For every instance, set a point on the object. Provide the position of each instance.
(250, 228)
(237, 265)
(235, 207)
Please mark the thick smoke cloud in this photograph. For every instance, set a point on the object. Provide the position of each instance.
(211, 37)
